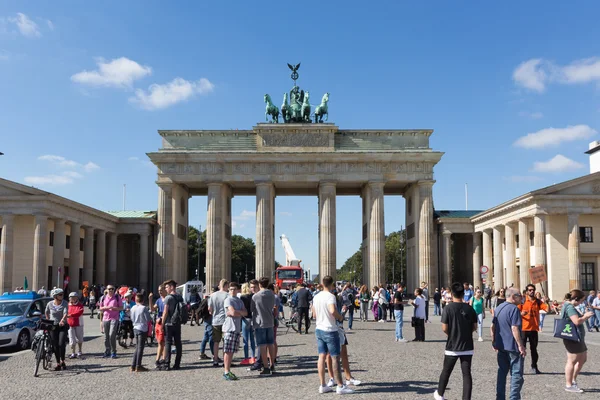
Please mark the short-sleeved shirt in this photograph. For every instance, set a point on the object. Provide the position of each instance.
(170, 304)
(425, 294)
(233, 324)
(460, 318)
(56, 312)
(596, 303)
(160, 303)
(569, 310)
(478, 305)
(325, 320)
(263, 303)
(114, 301)
(419, 307)
(140, 316)
(531, 321)
(506, 316)
(398, 296)
(216, 302)
(467, 296)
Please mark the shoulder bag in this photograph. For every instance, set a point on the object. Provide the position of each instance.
(565, 329)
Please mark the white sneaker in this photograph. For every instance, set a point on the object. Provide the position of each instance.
(331, 383)
(436, 396)
(381, 320)
(325, 389)
(573, 389)
(402, 340)
(480, 339)
(344, 390)
(353, 382)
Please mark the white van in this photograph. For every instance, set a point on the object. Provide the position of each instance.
(186, 289)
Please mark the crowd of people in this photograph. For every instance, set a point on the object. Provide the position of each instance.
(252, 312)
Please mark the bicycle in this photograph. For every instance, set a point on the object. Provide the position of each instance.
(294, 321)
(42, 345)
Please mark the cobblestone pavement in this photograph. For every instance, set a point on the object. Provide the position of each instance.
(388, 369)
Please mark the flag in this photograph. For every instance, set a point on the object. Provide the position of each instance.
(25, 284)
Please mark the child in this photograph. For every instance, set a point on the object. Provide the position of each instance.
(232, 328)
(140, 316)
(75, 321)
(125, 316)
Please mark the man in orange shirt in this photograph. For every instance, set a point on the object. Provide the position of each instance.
(530, 313)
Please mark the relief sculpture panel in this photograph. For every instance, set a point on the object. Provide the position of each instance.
(295, 140)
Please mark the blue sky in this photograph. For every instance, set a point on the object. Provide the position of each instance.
(511, 90)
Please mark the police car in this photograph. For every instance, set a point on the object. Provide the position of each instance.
(19, 313)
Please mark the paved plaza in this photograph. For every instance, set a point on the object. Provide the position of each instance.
(388, 370)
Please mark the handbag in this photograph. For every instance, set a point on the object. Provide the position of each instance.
(564, 328)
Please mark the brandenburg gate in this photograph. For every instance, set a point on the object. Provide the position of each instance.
(297, 157)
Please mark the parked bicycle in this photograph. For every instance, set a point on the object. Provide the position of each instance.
(293, 321)
(42, 345)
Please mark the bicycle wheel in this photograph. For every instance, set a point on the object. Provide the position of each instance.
(294, 323)
(39, 355)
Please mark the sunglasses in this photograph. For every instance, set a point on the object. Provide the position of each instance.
(110, 289)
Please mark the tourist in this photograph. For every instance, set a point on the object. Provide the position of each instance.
(477, 303)
(425, 294)
(468, 292)
(487, 294)
(75, 321)
(399, 313)
(232, 328)
(263, 320)
(328, 338)
(576, 351)
(596, 308)
(92, 302)
(383, 303)
(498, 299)
(125, 318)
(345, 363)
(303, 299)
(347, 295)
(459, 321)
(419, 315)
(437, 299)
(207, 338)
(447, 296)
(247, 331)
(506, 340)
(171, 322)
(273, 356)
(216, 307)
(365, 298)
(140, 317)
(159, 332)
(530, 314)
(42, 292)
(375, 307)
(110, 306)
(57, 310)
(195, 300)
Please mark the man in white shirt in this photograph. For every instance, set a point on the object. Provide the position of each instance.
(324, 309)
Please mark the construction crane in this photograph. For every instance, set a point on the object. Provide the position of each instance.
(290, 257)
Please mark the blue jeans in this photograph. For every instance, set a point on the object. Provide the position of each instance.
(480, 324)
(509, 361)
(208, 337)
(350, 317)
(542, 318)
(597, 317)
(248, 334)
(398, 314)
(436, 309)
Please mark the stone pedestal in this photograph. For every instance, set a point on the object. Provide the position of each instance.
(524, 257)
(165, 240)
(512, 278)
(477, 260)
(376, 235)
(573, 248)
(488, 260)
(74, 258)
(265, 249)
(88, 255)
(427, 272)
(58, 252)
(214, 234)
(40, 243)
(101, 258)
(327, 230)
(498, 256)
(6, 253)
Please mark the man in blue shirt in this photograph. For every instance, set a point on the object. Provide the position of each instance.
(506, 340)
(468, 292)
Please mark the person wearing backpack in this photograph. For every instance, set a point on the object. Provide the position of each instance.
(174, 315)
(204, 313)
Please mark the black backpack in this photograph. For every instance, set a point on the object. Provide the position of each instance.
(181, 314)
(203, 310)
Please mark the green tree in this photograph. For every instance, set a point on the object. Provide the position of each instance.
(352, 269)
(395, 256)
(243, 258)
(193, 234)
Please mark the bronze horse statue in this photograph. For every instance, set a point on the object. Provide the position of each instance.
(271, 109)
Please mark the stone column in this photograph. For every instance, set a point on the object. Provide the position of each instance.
(226, 189)
(327, 225)
(101, 258)
(112, 258)
(524, 257)
(573, 247)
(88, 255)
(214, 234)
(265, 249)
(477, 260)
(539, 243)
(511, 265)
(58, 252)
(487, 254)
(447, 275)
(498, 258)
(74, 257)
(366, 222)
(40, 243)
(6, 253)
(144, 282)
(376, 235)
(165, 241)
(427, 272)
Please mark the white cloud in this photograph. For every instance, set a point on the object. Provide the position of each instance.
(49, 180)
(59, 160)
(120, 73)
(536, 73)
(532, 115)
(554, 136)
(178, 90)
(245, 215)
(285, 213)
(522, 178)
(558, 163)
(50, 24)
(73, 174)
(26, 26)
(90, 166)
(530, 75)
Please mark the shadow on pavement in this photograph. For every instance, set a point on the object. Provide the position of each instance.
(417, 387)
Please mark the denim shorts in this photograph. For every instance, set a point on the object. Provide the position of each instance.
(328, 342)
(264, 336)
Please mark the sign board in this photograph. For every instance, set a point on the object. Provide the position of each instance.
(484, 270)
(537, 274)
